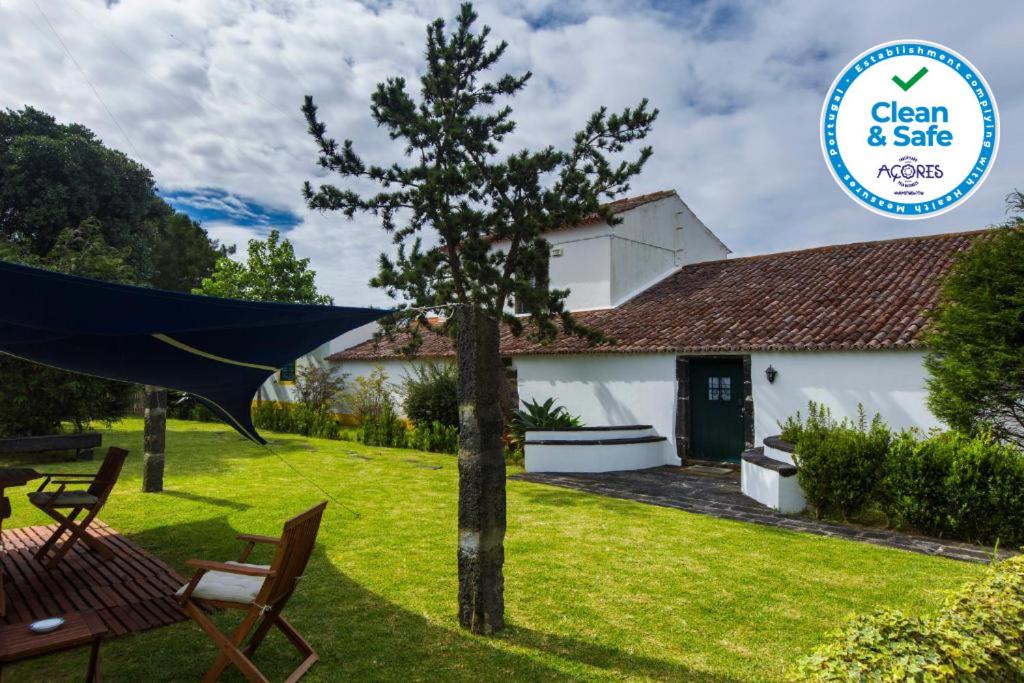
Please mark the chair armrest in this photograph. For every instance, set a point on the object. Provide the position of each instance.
(254, 538)
(209, 566)
(67, 474)
(64, 480)
(251, 541)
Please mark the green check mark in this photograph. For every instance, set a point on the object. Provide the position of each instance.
(907, 85)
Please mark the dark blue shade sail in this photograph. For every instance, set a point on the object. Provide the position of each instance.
(219, 350)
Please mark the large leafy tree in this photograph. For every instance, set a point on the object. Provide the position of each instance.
(456, 182)
(184, 254)
(975, 345)
(40, 398)
(69, 203)
(56, 175)
(271, 272)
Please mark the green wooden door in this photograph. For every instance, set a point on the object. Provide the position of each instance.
(716, 400)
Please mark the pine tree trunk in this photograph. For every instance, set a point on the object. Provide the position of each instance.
(481, 475)
(154, 439)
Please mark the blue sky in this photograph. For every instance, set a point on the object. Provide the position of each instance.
(206, 93)
(214, 205)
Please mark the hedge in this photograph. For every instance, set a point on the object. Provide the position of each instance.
(296, 418)
(945, 484)
(978, 635)
(386, 430)
(953, 485)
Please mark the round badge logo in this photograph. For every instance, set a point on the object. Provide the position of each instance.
(909, 129)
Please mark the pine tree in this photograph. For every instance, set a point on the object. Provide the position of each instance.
(455, 181)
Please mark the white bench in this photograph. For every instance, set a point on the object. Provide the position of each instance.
(594, 449)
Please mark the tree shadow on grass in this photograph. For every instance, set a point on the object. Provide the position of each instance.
(358, 634)
(608, 659)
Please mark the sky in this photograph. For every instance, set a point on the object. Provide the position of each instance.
(206, 93)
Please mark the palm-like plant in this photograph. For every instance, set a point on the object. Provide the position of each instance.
(536, 415)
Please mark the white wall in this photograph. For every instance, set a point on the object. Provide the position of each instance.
(275, 391)
(396, 371)
(652, 241)
(584, 268)
(607, 389)
(603, 266)
(891, 383)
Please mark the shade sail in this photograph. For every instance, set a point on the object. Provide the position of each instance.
(219, 350)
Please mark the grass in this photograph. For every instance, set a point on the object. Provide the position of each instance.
(596, 588)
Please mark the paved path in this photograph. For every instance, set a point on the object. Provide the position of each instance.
(720, 496)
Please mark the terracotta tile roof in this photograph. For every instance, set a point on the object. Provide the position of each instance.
(870, 295)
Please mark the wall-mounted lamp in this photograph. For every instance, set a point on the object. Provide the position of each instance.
(771, 373)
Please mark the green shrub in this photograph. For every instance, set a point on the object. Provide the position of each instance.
(384, 429)
(434, 437)
(841, 464)
(295, 418)
(792, 428)
(318, 387)
(309, 421)
(948, 484)
(369, 396)
(515, 455)
(429, 394)
(273, 416)
(952, 484)
(43, 400)
(349, 434)
(978, 635)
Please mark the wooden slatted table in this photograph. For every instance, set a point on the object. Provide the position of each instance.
(17, 642)
(132, 592)
(10, 476)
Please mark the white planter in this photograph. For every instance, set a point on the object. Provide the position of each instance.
(768, 476)
(596, 449)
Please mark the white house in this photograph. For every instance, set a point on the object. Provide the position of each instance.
(712, 352)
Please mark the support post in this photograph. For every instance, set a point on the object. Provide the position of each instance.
(481, 551)
(154, 439)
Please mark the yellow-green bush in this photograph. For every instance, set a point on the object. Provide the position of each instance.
(978, 636)
(296, 418)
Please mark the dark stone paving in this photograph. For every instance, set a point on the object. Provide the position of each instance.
(720, 496)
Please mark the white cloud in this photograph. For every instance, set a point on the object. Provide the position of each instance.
(208, 93)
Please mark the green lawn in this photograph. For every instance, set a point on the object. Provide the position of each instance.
(596, 588)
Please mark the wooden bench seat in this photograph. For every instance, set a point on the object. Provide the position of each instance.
(82, 443)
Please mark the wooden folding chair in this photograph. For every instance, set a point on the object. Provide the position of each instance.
(64, 506)
(261, 590)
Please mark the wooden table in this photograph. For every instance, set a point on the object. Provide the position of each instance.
(17, 642)
(10, 476)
